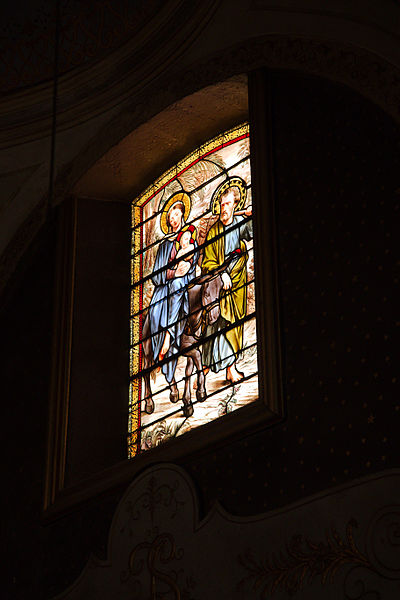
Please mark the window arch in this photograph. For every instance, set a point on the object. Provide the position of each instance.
(92, 398)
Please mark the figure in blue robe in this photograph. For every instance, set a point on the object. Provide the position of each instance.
(169, 305)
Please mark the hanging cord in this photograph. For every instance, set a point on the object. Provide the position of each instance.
(54, 112)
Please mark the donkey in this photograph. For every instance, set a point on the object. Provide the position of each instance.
(203, 294)
(204, 310)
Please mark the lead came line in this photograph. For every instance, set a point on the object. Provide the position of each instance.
(191, 193)
(195, 345)
(172, 263)
(194, 375)
(184, 318)
(140, 255)
(194, 402)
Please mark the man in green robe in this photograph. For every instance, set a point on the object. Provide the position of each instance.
(228, 233)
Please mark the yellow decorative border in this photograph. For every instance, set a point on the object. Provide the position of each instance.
(133, 420)
(152, 190)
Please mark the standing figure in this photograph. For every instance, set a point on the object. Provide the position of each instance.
(169, 304)
(226, 239)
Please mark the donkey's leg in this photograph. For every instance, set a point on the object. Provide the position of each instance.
(174, 393)
(188, 374)
(201, 393)
(187, 400)
(149, 406)
(147, 364)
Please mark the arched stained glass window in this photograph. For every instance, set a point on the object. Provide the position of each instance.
(193, 321)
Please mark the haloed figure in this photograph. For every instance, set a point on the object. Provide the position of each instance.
(223, 350)
(169, 305)
(185, 243)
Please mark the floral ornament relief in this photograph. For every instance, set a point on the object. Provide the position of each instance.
(155, 497)
(154, 556)
(304, 560)
(160, 550)
(149, 559)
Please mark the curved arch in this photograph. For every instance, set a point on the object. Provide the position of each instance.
(359, 69)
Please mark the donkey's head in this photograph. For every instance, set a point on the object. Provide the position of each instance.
(210, 298)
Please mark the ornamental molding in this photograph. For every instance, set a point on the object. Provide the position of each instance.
(341, 543)
(358, 69)
(144, 68)
(361, 70)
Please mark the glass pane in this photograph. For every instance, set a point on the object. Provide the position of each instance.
(193, 324)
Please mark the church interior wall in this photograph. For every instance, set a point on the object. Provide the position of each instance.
(336, 183)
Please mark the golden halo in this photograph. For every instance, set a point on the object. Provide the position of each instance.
(238, 182)
(181, 197)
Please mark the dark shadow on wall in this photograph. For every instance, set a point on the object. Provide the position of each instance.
(337, 176)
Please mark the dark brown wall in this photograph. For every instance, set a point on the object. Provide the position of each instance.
(337, 166)
(337, 176)
(98, 410)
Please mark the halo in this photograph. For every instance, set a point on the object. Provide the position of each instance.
(238, 182)
(181, 197)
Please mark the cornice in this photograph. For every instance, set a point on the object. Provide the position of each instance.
(365, 72)
(361, 70)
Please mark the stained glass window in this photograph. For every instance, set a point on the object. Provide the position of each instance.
(193, 321)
